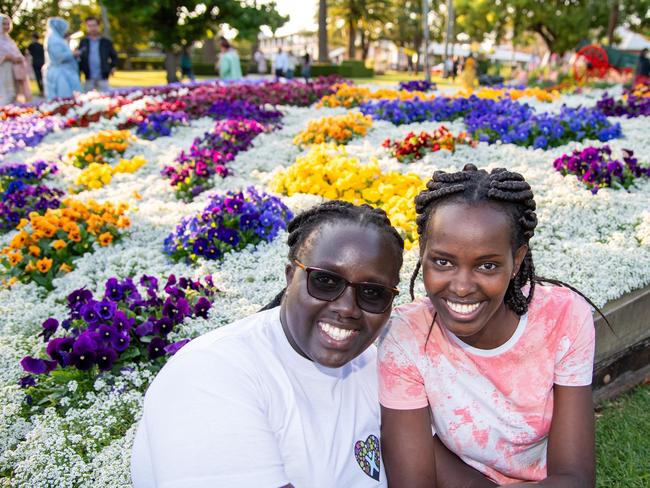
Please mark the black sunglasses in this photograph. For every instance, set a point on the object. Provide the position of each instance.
(328, 286)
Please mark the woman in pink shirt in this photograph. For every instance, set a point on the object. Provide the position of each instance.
(496, 362)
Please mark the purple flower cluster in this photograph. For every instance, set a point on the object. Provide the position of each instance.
(500, 120)
(634, 106)
(208, 156)
(122, 327)
(18, 133)
(514, 123)
(25, 199)
(14, 173)
(157, 125)
(229, 222)
(596, 168)
(417, 85)
(20, 193)
(240, 109)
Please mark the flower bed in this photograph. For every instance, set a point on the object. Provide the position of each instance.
(328, 171)
(25, 199)
(100, 147)
(110, 332)
(228, 223)
(28, 131)
(192, 172)
(97, 175)
(340, 129)
(160, 124)
(417, 86)
(635, 103)
(414, 147)
(47, 244)
(596, 168)
(503, 120)
(349, 96)
(16, 175)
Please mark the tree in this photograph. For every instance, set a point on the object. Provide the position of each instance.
(175, 23)
(561, 25)
(29, 18)
(323, 52)
(405, 27)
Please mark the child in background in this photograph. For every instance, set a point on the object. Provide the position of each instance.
(495, 362)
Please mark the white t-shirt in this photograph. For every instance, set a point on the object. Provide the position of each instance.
(238, 407)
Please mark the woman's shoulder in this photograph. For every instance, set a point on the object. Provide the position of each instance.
(549, 298)
(410, 320)
(559, 308)
(239, 343)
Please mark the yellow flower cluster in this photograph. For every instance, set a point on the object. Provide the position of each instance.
(97, 175)
(641, 91)
(515, 94)
(340, 128)
(98, 147)
(352, 96)
(46, 245)
(328, 171)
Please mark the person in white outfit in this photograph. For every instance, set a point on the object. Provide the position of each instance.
(286, 397)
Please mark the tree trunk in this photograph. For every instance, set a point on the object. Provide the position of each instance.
(171, 65)
(352, 38)
(365, 44)
(546, 36)
(613, 21)
(323, 52)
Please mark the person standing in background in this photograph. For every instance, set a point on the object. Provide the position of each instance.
(642, 73)
(186, 64)
(229, 67)
(97, 57)
(291, 65)
(260, 62)
(13, 67)
(60, 73)
(37, 53)
(306, 66)
(280, 64)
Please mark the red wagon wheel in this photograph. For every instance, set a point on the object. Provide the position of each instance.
(590, 62)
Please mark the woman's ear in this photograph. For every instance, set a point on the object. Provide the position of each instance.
(520, 254)
(289, 271)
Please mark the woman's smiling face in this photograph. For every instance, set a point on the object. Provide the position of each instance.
(333, 333)
(467, 264)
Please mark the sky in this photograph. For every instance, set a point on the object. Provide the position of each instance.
(302, 15)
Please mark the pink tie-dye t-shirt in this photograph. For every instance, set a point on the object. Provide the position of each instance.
(493, 408)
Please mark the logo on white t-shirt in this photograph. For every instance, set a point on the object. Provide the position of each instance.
(368, 456)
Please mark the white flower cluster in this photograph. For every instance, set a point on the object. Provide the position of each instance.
(598, 243)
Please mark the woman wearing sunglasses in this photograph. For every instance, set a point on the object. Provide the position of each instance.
(286, 397)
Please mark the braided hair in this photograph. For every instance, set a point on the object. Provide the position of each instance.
(514, 195)
(303, 226)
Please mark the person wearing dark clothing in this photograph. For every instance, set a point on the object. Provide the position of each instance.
(37, 53)
(186, 64)
(306, 66)
(97, 57)
(642, 74)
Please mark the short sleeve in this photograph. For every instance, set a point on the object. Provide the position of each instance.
(575, 355)
(401, 386)
(206, 425)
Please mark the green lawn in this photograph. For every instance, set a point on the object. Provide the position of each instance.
(152, 78)
(623, 441)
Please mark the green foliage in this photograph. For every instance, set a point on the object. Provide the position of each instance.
(27, 20)
(622, 442)
(174, 23)
(561, 25)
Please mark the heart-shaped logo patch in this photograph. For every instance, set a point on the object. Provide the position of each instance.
(368, 456)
